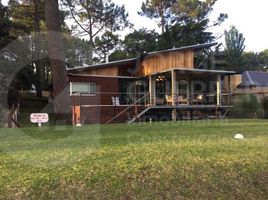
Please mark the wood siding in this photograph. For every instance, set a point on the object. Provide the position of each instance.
(91, 110)
(104, 71)
(167, 61)
(235, 80)
(189, 59)
(151, 64)
(106, 89)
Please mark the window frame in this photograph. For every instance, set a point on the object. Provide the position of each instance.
(89, 85)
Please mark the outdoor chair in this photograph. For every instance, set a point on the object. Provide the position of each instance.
(115, 101)
(168, 99)
(198, 99)
(182, 100)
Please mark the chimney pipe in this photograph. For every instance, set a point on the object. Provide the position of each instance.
(107, 58)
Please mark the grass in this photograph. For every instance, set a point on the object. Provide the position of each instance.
(168, 160)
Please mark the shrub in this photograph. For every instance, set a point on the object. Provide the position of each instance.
(265, 106)
(246, 106)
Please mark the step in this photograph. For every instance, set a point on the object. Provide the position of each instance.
(139, 115)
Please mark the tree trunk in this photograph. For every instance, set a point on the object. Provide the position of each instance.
(162, 23)
(57, 59)
(162, 17)
(90, 53)
(37, 50)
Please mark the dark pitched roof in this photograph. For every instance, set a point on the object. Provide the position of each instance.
(134, 60)
(109, 64)
(254, 78)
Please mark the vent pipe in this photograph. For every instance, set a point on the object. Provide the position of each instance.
(107, 58)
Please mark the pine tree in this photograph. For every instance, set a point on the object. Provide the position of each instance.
(183, 22)
(5, 27)
(57, 58)
(95, 17)
(235, 46)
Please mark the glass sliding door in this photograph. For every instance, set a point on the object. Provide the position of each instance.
(132, 90)
(182, 91)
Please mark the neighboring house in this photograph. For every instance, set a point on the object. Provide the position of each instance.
(249, 82)
(254, 80)
(164, 84)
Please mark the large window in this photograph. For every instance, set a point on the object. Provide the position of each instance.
(83, 88)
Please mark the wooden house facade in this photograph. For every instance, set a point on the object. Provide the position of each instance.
(164, 84)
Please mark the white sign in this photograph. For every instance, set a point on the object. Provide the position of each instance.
(39, 118)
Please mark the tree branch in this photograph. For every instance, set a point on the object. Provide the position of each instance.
(73, 16)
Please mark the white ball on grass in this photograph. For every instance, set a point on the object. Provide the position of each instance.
(78, 125)
(239, 136)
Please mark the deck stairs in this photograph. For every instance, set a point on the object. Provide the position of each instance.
(131, 106)
(142, 112)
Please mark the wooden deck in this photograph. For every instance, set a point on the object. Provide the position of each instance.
(187, 107)
(131, 113)
(193, 111)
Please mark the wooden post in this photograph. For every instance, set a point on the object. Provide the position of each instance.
(189, 90)
(73, 115)
(173, 87)
(218, 85)
(76, 115)
(136, 110)
(174, 94)
(152, 90)
(229, 90)
(191, 114)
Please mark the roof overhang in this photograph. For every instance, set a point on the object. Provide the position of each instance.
(138, 59)
(101, 65)
(206, 71)
(196, 47)
(101, 76)
(198, 71)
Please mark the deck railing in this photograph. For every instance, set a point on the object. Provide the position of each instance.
(128, 99)
(193, 99)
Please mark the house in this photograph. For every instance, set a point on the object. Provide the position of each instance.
(249, 82)
(165, 84)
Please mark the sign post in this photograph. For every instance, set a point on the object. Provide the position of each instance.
(39, 118)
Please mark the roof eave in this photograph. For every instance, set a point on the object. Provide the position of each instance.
(185, 48)
(118, 63)
(133, 60)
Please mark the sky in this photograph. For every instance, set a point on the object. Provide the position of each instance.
(248, 16)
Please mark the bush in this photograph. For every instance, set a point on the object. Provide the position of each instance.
(246, 106)
(265, 106)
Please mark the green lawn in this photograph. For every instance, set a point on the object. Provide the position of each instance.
(182, 160)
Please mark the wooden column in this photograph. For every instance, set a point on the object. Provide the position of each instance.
(218, 85)
(152, 90)
(189, 90)
(174, 94)
(229, 90)
(173, 87)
